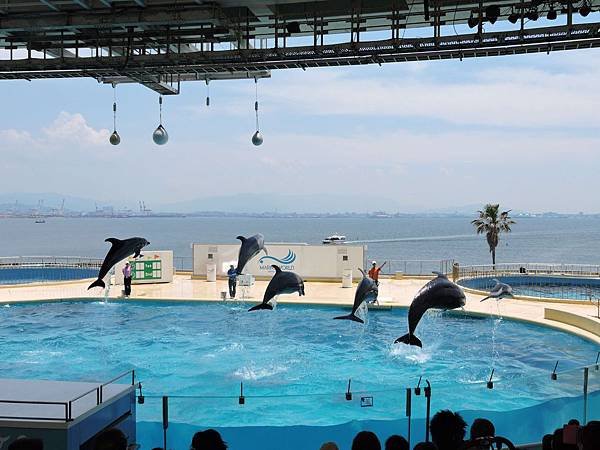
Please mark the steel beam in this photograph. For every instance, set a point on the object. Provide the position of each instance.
(83, 3)
(49, 5)
(102, 18)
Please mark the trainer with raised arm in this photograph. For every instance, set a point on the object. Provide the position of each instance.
(374, 271)
(232, 275)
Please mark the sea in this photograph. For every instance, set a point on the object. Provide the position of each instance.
(572, 239)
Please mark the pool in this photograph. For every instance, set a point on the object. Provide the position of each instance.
(294, 362)
(543, 286)
(40, 274)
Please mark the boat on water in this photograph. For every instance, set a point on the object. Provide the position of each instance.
(334, 239)
(40, 221)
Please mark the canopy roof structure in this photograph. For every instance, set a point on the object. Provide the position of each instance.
(160, 43)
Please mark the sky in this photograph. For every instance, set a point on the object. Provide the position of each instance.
(520, 130)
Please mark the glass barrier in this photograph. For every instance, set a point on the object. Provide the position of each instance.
(280, 421)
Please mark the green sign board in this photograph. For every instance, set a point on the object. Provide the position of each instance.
(146, 270)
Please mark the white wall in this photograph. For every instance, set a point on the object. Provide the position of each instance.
(308, 261)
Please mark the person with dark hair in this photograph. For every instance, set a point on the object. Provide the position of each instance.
(482, 428)
(590, 435)
(573, 422)
(111, 439)
(447, 430)
(208, 440)
(329, 446)
(547, 442)
(366, 440)
(425, 446)
(558, 444)
(396, 442)
(27, 444)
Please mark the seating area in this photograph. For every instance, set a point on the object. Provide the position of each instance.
(448, 432)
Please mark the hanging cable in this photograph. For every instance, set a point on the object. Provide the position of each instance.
(256, 102)
(257, 138)
(160, 109)
(207, 92)
(114, 138)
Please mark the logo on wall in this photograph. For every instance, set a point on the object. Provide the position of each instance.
(286, 263)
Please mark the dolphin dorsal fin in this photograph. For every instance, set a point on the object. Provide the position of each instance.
(277, 269)
(113, 241)
(241, 238)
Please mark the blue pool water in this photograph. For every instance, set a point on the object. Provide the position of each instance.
(567, 288)
(294, 362)
(22, 275)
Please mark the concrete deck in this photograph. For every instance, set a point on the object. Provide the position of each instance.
(392, 293)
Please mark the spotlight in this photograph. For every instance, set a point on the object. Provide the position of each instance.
(514, 17)
(293, 27)
(491, 13)
(585, 9)
(473, 21)
(551, 14)
(533, 14)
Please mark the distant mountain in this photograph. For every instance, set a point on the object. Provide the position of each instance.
(50, 200)
(289, 203)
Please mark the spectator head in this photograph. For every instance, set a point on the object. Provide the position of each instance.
(425, 446)
(208, 440)
(573, 422)
(329, 446)
(558, 444)
(447, 430)
(547, 442)
(482, 428)
(366, 440)
(590, 435)
(396, 442)
(111, 439)
(27, 444)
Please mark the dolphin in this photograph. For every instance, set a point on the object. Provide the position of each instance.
(281, 283)
(249, 249)
(500, 290)
(439, 293)
(120, 250)
(366, 291)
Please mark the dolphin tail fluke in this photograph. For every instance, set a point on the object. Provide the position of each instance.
(350, 317)
(484, 299)
(261, 306)
(409, 339)
(97, 283)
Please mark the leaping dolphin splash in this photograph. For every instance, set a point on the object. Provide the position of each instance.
(281, 283)
(439, 293)
(366, 291)
(120, 250)
(249, 249)
(499, 291)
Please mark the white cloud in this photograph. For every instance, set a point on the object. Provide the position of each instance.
(507, 96)
(73, 128)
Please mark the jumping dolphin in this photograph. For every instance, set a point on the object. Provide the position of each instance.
(120, 250)
(366, 291)
(439, 293)
(281, 283)
(249, 249)
(500, 290)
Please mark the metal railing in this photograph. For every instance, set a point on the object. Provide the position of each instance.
(183, 263)
(573, 270)
(415, 266)
(50, 261)
(67, 404)
(581, 384)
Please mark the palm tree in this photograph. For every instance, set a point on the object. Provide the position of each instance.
(492, 223)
